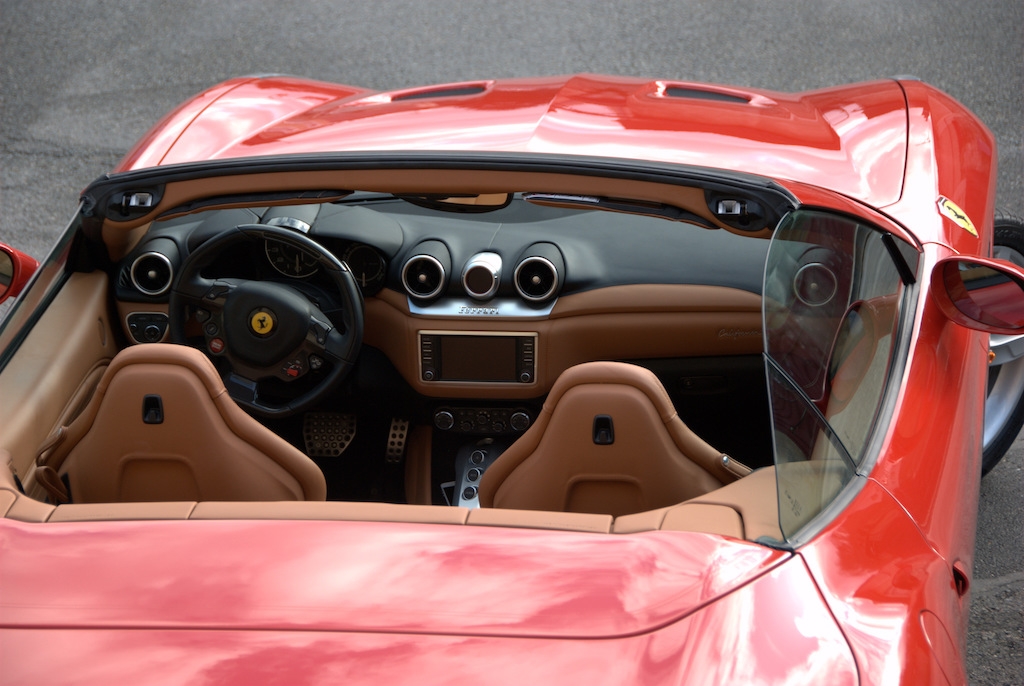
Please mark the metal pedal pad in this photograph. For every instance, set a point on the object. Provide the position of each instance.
(397, 436)
(327, 434)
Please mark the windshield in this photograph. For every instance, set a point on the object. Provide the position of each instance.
(832, 297)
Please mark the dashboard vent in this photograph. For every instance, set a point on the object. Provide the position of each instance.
(152, 273)
(481, 275)
(538, 274)
(425, 274)
(815, 284)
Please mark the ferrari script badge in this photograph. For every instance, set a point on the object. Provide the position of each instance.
(262, 322)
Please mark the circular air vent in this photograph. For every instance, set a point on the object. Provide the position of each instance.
(481, 275)
(423, 276)
(536, 278)
(152, 273)
(815, 284)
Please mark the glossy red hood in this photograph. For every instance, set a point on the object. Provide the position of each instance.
(850, 139)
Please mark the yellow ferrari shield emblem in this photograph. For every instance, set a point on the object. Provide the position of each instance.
(952, 211)
(262, 322)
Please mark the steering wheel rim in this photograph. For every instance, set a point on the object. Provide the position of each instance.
(256, 326)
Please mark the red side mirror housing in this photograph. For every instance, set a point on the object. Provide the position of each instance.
(16, 268)
(981, 294)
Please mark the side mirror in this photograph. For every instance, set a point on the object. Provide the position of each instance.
(16, 268)
(981, 294)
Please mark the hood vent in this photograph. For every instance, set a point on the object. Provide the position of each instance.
(692, 93)
(451, 92)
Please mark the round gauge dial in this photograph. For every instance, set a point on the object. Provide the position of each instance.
(289, 260)
(366, 265)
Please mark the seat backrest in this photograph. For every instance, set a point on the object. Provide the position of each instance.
(607, 441)
(161, 427)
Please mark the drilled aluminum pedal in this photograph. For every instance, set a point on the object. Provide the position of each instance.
(327, 434)
(397, 436)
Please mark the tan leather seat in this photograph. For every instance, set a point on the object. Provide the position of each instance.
(204, 447)
(565, 462)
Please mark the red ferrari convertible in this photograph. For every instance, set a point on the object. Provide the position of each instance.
(583, 379)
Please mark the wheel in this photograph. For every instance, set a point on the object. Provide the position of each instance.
(1004, 403)
(275, 348)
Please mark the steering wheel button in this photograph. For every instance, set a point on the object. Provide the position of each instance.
(211, 329)
(315, 362)
(216, 346)
(295, 368)
(202, 315)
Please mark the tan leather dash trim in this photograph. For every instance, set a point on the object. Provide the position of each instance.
(534, 519)
(616, 323)
(419, 181)
(105, 512)
(657, 298)
(59, 354)
(337, 511)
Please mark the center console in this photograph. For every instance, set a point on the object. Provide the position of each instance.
(476, 435)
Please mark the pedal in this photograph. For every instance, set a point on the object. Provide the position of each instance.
(397, 436)
(327, 434)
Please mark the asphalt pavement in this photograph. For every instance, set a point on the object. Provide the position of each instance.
(81, 81)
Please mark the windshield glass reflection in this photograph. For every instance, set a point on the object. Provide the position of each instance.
(831, 307)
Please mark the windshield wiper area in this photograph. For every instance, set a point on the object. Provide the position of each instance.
(652, 209)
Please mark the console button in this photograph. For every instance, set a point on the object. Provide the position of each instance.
(520, 421)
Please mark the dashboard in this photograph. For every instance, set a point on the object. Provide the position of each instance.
(481, 304)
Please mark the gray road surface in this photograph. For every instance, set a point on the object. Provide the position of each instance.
(81, 81)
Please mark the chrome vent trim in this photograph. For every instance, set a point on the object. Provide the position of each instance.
(815, 285)
(152, 273)
(482, 275)
(423, 276)
(503, 308)
(536, 279)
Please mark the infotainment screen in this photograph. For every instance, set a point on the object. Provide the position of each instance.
(478, 358)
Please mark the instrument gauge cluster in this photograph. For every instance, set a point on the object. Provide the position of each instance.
(368, 267)
(290, 260)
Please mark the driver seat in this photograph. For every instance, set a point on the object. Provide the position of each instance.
(161, 427)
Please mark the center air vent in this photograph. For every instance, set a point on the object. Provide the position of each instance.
(152, 273)
(481, 275)
(425, 274)
(538, 272)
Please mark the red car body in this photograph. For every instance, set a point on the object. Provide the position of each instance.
(877, 595)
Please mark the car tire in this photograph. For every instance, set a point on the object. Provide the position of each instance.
(1004, 401)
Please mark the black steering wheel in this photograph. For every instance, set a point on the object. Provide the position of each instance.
(264, 330)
